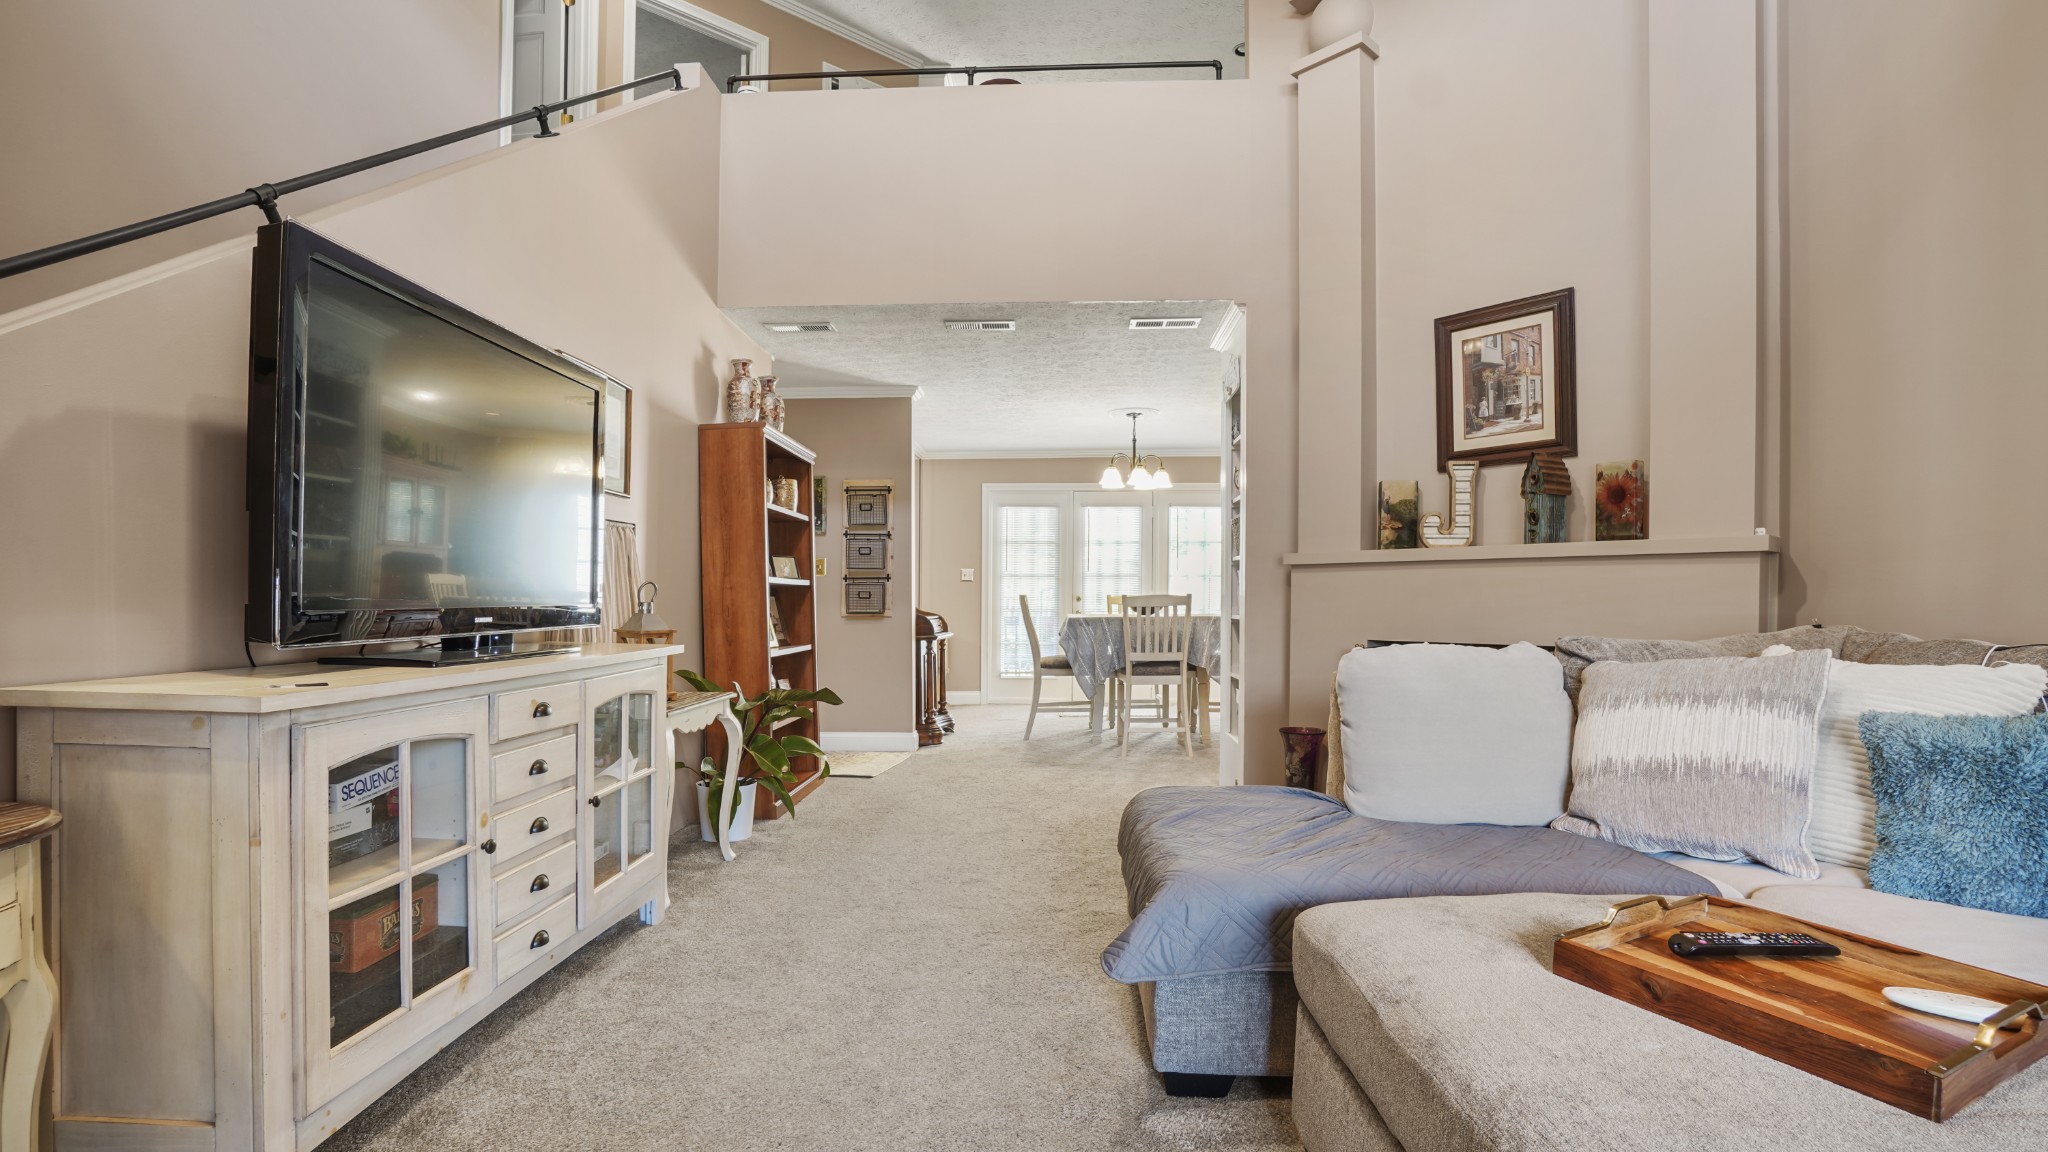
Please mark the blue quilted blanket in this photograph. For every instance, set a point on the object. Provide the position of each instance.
(1217, 875)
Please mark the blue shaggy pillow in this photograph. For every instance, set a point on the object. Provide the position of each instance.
(1960, 801)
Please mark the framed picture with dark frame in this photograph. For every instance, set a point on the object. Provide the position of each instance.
(1506, 383)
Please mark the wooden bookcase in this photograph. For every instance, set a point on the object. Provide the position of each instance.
(741, 531)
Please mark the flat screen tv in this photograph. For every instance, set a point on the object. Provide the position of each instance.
(416, 472)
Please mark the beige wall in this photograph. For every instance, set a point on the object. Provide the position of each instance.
(120, 111)
(832, 201)
(128, 405)
(1511, 163)
(797, 46)
(1918, 244)
(949, 537)
(870, 663)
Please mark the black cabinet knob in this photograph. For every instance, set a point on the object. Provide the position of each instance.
(537, 768)
(539, 825)
(595, 801)
(540, 939)
(489, 846)
(542, 708)
(540, 883)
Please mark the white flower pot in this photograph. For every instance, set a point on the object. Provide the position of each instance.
(742, 813)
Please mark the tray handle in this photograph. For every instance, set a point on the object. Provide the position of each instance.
(1634, 919)
(1987, 1035)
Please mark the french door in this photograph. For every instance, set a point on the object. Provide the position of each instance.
(1068, 548)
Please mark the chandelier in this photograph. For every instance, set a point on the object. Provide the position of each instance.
(1130, 470)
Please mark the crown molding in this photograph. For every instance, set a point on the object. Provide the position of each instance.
(1055, 453)
(850, 391)
(860, 36)
(1227, 330)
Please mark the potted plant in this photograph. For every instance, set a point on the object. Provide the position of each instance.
(767, 760)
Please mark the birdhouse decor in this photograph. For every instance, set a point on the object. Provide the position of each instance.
(1546, 486)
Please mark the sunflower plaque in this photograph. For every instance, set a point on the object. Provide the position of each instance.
(1621, 501)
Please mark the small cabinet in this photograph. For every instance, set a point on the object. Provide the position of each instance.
(625, 796)
(395, 920)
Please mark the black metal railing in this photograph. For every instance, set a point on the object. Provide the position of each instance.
(265, 196)
(732, 83)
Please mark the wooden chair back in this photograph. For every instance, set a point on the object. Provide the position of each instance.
(1030, 629)
(1157, 629)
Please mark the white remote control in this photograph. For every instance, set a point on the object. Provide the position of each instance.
(1954, 1005)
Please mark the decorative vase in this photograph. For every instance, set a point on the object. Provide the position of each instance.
(742, 395)
(1304, 755)
(742, 813)
(772, 409)
(1333, 20)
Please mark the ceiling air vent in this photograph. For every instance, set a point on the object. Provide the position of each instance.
(1164, 323)
(981, 325)
(802, 326)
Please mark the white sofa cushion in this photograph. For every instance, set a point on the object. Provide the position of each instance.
(2014, 945)
(1448, 734)
(1843, 829)
(1737, 879)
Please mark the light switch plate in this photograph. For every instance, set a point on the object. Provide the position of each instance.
(821, 566)
(967, 574)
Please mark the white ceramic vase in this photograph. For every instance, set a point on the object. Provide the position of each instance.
(1333, 20)
(742, 813)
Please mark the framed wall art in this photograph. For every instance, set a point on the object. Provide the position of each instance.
(1506, 384)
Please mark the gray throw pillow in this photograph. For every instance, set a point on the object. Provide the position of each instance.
(1448, 734)
(1576, 653)
(1712, 757)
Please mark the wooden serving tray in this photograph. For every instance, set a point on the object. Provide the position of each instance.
(1827, 1016)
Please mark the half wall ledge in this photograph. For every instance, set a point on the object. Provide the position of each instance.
(1570, 550)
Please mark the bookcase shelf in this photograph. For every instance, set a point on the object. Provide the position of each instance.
(741, 533)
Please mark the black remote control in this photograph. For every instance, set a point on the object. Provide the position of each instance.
(1694, 945)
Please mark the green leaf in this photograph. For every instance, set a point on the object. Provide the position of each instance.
(696, 681)
(781, 793)
(769, 754)
(802, 746)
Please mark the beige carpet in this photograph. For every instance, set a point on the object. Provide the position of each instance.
(911, 965)
(865, 765)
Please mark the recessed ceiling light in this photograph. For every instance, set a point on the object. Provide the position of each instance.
(424, 397)
(1164, 323)
(800, 326)
(982, 325)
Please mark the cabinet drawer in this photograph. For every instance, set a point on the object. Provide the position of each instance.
(539, 936)
(10, 936)
(523, 770)
(529, 710)
(528, 826)
(534, 883)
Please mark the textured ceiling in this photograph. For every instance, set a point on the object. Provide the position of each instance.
(1050, 386)
(1053, 31)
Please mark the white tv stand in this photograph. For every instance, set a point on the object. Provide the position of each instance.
(221, 970)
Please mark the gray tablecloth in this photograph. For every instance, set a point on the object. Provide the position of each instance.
(1095, 646)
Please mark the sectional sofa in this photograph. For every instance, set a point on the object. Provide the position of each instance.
(1217, 879)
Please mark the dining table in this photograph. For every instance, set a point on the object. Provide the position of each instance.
(1093, 643)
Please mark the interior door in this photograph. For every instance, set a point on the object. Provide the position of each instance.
(540, 39)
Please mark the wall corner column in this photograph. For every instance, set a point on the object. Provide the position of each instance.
(1337, 411)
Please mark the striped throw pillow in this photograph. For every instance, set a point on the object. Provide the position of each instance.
(1711, 757)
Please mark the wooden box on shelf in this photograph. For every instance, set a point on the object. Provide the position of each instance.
(742, 530)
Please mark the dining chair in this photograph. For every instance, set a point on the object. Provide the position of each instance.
(1043, 666)
(1157, 632)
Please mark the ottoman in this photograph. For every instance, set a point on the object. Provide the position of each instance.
(1434, 1024)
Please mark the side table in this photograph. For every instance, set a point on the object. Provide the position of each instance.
(694, 712)
(28, 991)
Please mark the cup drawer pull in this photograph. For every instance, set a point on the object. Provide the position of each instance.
(540, 883)
(539, 825)
(542, 708)
(540, 939)
(537, 768)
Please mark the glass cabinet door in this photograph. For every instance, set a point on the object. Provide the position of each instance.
(626, 793)
(390, 896)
